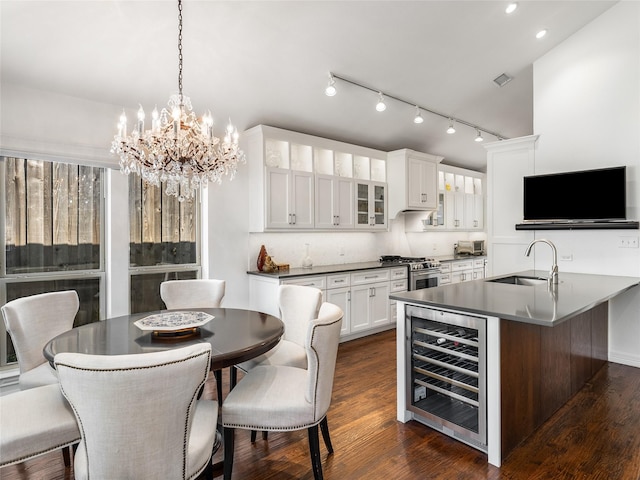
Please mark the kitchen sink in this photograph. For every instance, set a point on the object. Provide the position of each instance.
(520, 280)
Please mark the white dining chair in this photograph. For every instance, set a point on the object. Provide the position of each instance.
(34, 422)
(286, 398)
(33, 321)
(195, 293)
(139, 415)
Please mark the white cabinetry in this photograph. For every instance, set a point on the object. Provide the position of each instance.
(369, 299)
(371, 205)
(463, 192)
(457, 271)
(363, 296)
(289, 198)
(298, 181)
(413, 181)
(334, 202)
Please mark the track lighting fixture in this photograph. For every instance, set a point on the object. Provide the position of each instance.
(541, 34)
(418, 118)
(381, 106)
(451, 130)
(330, 91)
(511, 8)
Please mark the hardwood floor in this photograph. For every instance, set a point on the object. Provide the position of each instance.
(596, 435)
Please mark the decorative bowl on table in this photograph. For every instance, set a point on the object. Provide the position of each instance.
(174, 324)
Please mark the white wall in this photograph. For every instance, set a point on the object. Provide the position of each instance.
(587, 113)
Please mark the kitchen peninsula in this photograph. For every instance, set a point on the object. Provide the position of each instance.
(537, 344)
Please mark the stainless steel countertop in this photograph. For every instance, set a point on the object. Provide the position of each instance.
(574, 294)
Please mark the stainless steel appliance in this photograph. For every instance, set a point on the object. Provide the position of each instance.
(446, 373)
(423, 272)
(469, 247)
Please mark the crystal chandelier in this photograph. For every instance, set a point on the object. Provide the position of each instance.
(178, 149)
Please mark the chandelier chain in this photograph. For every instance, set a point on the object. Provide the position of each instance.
(180, 49)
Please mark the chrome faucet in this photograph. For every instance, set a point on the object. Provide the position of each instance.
(553, 274)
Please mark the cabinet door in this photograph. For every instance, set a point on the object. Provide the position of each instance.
(473, 211)
(371, 205)
(454, 210)
(344, 209)
(325, 208)
(278, 191)
(302, 199)
(342, 298)
(379, 304)
(421, 184)
(360, 305)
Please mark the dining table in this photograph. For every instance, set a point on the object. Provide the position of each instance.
(236, 335)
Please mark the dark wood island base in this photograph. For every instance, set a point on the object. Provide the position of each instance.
(543, 367)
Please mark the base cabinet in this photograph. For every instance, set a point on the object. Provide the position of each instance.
(362, 295)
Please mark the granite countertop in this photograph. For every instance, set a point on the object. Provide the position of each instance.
(574, 294)
(348, 267)
(324, 269)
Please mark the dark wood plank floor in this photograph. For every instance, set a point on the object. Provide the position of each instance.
(595, 436)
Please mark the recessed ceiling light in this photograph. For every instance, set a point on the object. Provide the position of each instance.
(541, 34)
(511, 8)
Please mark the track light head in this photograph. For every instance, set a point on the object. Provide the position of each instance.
(418, 118)
(451, 130)
(479, 136)
(381, 106)
(330, 91)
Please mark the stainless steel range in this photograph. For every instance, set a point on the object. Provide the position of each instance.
(423, 272)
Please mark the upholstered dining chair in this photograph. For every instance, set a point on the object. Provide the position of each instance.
(33, 321)
(139, 415)
(298, 305)
(197, 293)
(34, 422)
(286, 398)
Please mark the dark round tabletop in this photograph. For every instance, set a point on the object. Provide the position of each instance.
(235, 336)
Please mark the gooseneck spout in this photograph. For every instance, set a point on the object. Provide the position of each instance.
(553, 274)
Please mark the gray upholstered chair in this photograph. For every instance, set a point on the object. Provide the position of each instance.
(139, 415)
(198, 293)
(258, 403)
(34, 422)
(33, 321)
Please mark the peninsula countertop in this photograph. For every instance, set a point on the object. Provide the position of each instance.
(538, 304)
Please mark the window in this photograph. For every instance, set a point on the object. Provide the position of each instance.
(53, 236)
(163, 242)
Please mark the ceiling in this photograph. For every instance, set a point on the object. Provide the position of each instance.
(267, 62)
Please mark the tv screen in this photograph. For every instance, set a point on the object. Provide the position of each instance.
(588, 195)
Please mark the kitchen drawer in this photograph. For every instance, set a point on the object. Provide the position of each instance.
(338, 281)
(318, 282)
(464, 265)
(400, 272)
(478, 263)
(400, 285)
(370, 276)
(445, 278)
(445, 267)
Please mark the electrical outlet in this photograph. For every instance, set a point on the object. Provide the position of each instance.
(341, 251)
(627, 242)
(566, 257)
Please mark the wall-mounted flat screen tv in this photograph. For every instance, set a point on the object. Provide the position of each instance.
(587, 195)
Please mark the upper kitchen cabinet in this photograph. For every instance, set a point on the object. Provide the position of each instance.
(463, 192)
(371, 204)
(413, 181)
(299, 181)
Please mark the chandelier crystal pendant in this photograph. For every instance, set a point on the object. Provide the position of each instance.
(178, 149)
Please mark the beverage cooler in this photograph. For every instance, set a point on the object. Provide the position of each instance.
(446, 373)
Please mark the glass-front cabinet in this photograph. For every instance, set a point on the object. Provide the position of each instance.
(299, 181)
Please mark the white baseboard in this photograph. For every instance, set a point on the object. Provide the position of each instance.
(625, 359)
